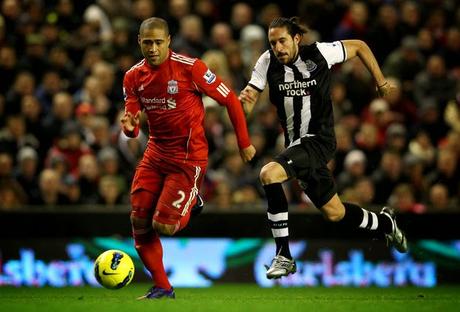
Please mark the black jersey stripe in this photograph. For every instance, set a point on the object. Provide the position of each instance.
(297, 103)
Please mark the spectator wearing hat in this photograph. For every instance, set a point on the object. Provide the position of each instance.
(252, 41)
(379, 115)
(396, 138)
(27, 171)
(354, 169)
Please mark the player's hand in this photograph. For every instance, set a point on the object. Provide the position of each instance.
(247, 153)
(386, 88)
(248, 97)
(129, 121)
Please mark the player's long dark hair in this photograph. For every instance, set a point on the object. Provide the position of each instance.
(292, 24)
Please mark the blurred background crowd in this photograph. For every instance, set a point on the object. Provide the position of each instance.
(61, 70)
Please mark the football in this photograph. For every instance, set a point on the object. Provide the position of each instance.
(114, 269)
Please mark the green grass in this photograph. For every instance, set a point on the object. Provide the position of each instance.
(232, 298)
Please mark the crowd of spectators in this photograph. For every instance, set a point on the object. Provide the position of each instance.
(62, 64)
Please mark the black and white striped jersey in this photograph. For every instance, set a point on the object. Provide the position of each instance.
(301, 90)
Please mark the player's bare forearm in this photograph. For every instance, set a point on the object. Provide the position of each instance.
(248, 97)
(361, 49)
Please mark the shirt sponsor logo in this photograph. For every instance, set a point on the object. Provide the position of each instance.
(209, 76)
(296, 87)
(158, 103)
(173, 87)
(171, 103)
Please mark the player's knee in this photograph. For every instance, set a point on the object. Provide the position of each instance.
(165, 229)
(139, 223)
(142, 229)
(268, 174)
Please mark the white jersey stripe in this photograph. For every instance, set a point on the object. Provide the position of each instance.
(139, 64)
(306, 101)
(181, 61)
(222, 91)
(224, 87)
(185, 58)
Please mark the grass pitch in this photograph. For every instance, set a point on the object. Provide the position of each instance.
(232, 298)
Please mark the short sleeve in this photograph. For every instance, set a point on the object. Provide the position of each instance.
(333, 52)
(259, 73)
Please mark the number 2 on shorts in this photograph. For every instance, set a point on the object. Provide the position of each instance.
(177, 203)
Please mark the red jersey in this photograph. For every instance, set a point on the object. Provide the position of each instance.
(171, 96)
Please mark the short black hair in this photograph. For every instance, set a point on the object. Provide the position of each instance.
(154, 22)
(292, 24)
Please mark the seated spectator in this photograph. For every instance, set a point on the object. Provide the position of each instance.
(439, 200)
(27, 171)
(403, 200)
(50, 190)
(354, 169)
(109, 191)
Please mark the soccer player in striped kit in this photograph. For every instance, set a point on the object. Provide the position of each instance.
(168, 88)
(299, 81)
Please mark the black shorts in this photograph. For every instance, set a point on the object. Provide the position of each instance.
(307, 162)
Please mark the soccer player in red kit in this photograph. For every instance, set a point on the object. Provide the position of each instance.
(168, 87)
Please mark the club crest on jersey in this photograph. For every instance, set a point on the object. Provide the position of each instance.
(311, 66)
(173, 87)
(209, 76)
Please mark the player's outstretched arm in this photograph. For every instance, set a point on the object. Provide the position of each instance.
(361, 49)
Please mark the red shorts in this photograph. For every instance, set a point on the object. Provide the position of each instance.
(173, 185)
